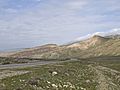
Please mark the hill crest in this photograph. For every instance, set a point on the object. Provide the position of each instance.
(85, 44)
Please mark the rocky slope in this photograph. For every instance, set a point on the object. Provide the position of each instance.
(29, 53)
(93, 47)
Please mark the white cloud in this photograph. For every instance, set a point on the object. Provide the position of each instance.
(110, 32)
(114, 31)
(90, 35)
(10, 10)
(76, 4)
(83, 37)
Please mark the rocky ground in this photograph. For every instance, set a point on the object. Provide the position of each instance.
(9, 73)
(70, 75)
(105, 81)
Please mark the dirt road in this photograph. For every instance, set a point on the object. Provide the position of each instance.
(10, 66)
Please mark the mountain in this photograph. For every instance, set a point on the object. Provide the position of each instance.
(28, 53)
(93, 41)
(92, 47)
(117, 36)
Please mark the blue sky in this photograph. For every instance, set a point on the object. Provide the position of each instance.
(27, 23)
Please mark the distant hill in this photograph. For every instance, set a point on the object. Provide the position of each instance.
(93, 41)
(29, 53)
(113, 36)
(93, 47)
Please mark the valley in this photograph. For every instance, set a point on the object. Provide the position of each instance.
(91, 64)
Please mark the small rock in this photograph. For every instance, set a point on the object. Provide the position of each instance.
(54, 73)
(87, 81)
(55, 86)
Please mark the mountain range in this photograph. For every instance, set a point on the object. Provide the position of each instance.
(94, 46)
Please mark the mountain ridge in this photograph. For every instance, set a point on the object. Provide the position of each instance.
(91, 47)
(101, 46)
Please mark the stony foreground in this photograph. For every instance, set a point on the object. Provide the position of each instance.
(72, 75)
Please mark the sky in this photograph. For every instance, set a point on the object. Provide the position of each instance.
(29, 23)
